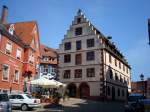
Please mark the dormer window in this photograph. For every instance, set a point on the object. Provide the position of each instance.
(78, 20)
(78, 31)
(11, 29)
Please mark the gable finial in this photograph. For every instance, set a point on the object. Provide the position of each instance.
(79, 12)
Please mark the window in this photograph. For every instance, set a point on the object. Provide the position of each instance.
(118, 92)
(78, 31)
(127, 69)
(90, 42)
(121, 79)
(18, 53)
(110, 60)
(67, 58)
(116, 77)
(125, 81)
(90, 72)
(19, 97)
(8, 48)
(111, 74)
(5, 72)
(68, 46)
(122, 92)
(12, 96)
(16, 76)
(31, 57)
(78, 20)
(90, 56)
(120, 65)
(78, 59)
(108, 90)
(123, 68)
(66, 74)
(78, 45)
(78, 73)
(115, 62)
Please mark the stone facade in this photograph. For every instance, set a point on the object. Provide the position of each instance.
(91, 65)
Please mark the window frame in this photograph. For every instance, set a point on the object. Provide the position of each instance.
(66, 44)
(78, 73)
(90, 56)
(67, 58)
(6, 50)
(78, 59)
(78, 20)
(67, 76)
(20, 53)
(14, 76)
(7, 73)
(89, 72)
(77, 43)
(78, 31)
(90, 43)
(110, 58)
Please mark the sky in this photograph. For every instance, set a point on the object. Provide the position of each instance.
(124, 20)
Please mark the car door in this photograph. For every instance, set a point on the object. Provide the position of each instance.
(19, 100)
(12, 99)
(16, 100)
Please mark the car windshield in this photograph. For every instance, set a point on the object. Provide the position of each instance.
(4, 97)
(29, 96)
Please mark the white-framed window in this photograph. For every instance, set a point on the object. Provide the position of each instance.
(8, 47)
(31, 57)
(16, 76)
(18, 53)
(5, 72)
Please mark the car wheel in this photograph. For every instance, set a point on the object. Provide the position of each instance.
(24, 107)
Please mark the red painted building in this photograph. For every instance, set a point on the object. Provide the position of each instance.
(19, 54)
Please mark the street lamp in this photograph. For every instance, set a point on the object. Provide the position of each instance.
(142, 79)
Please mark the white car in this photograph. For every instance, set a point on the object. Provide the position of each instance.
(24, 101)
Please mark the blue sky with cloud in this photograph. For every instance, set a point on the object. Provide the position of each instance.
(124, 20)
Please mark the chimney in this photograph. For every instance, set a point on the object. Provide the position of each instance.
(4, 14)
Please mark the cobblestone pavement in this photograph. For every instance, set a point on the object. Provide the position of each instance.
(80, 105)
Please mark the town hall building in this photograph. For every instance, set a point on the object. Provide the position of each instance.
(91, 65)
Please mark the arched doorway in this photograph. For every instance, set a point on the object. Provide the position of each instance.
(84, 90)
(71, 89)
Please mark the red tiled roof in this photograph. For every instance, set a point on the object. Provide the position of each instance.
(24, 30)
(46, 51)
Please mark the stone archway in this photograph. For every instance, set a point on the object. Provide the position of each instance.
(84, 90)
(72, 90)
